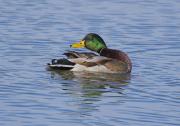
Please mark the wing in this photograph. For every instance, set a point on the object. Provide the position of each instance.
(79, 57)
(89, 62)
(73, 54)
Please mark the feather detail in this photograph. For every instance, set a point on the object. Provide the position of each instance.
(96, 68)
(73, 54)
(89, 62)
(109, 61)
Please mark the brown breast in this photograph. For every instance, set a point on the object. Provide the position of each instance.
(116, 54)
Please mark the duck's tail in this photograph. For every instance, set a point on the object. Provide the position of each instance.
(61, 64)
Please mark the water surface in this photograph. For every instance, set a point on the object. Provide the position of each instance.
(33, 32)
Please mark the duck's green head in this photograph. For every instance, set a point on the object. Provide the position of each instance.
(92, 42)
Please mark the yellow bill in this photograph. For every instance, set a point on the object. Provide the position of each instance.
(80, 44)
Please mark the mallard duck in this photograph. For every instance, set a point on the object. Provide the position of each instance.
(106, 60)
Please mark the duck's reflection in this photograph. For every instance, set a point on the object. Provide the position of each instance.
(94, 84)
(90, 88)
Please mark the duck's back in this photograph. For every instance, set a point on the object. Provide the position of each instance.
(117, 54)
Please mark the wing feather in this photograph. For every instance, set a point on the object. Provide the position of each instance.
(73, 54)
(89, 62)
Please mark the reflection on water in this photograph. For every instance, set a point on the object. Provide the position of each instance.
(91, 88)
(94, 84)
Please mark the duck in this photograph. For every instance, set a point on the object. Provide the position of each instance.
(103, 60)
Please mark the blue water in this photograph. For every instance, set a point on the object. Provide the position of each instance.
(35, 31)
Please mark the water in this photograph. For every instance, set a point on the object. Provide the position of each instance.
(33, 32)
